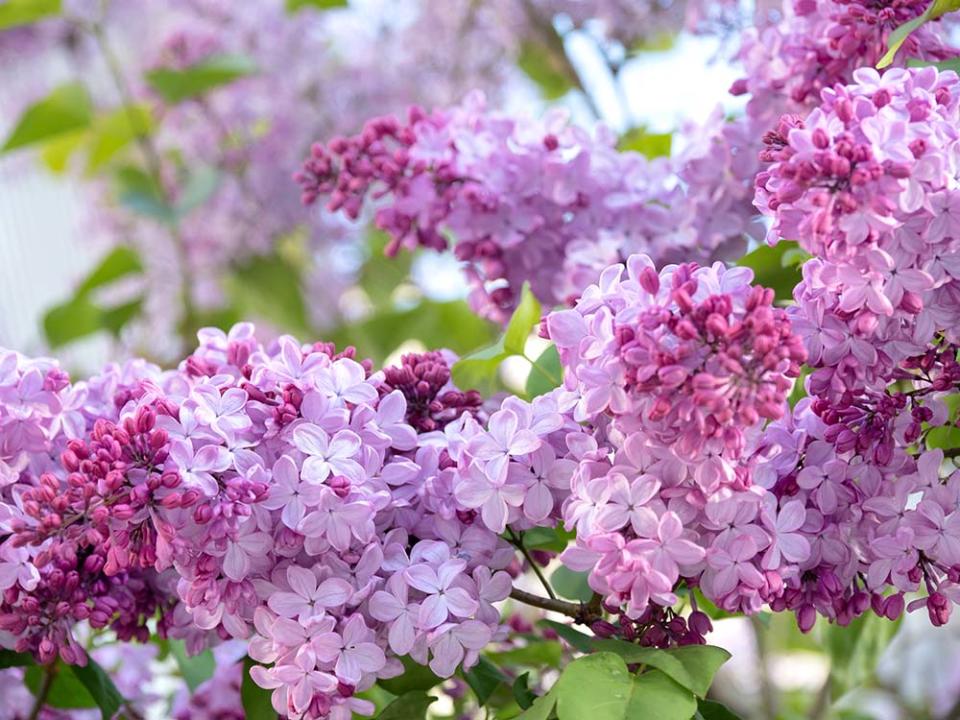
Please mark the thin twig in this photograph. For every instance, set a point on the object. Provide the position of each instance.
(517, 542)
(49, 673)
(154, 167)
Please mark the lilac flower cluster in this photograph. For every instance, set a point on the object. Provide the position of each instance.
(677, 372)
(820, 43)
(866, 184)
(333, 517)
(538, 201)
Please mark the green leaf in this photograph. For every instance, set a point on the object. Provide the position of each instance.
(409, 706)
(774, 268)
(521, 692)
(195, 669)
(436, 324)
(113, 131)
(691, 666)
(71, 320)
(710, 710)
(545, 68)
(414, 677)
(114, 319)
(15, 13)
(596, 687)
(484, 678)
(200, 187)
(657, 697)
(270, 287)
(56, 152)
(9, 659)
(380, 274)
(653, 145)
(942, 7)
(81, 315)
(576, 639)
(524, 319)
(119, 262)
(896, 39)
(295, 5)
(479, 369)
(600, 687)
(546, 373)
(100, 687)
(137, 191)
(546, 538)
(856, 648)
(951, 64)
(68, 108)
(536, 654)
(256, 700)
(945, 437)
(66, 690)
(571, 584)
(175, 86)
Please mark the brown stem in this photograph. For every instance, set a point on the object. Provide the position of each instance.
(581, 613)
(517, 542)
(49, 673)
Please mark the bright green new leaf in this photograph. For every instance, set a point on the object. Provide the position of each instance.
(546, 373)
(175, 86)
(65, 110)
(195, 669)
(571, 584)
(15, 13)
(896, 39)
(522, 323)
(295, 5)
(115, 130)
(410, 706)
(479, 369)
(653, 145)
(256, 700)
